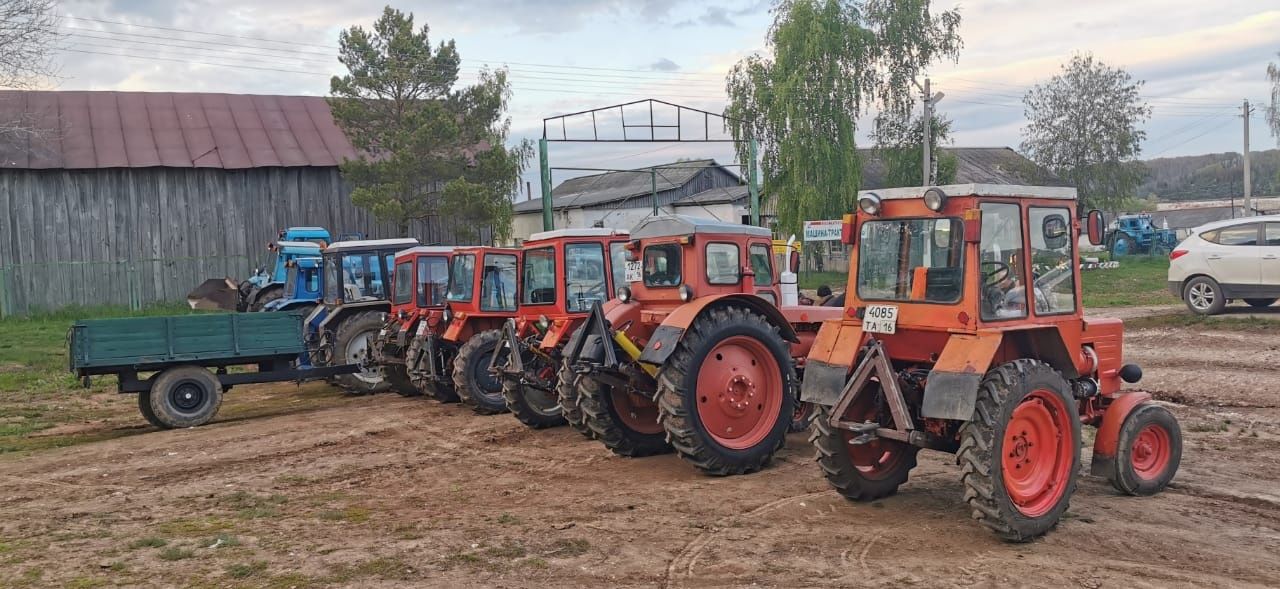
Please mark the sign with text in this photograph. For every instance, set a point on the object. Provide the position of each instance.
(822, 230)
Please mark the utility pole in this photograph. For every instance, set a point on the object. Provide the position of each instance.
(930, 99)
(1246, 111)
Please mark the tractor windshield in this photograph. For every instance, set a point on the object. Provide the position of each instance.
(291, 282)
(462, 272)
(433, 280)
(584, 276)
(916, 260)
(362, 278)
(498, 283)
(539, 276)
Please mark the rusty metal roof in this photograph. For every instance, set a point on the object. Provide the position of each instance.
(85, 130)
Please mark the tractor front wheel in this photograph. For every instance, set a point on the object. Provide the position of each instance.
(534, 407)
(400, 383)
(1021, 450)
(478, 388)
(351, 345)
(567, 394)
(1148, 452)
(442, 389)
(726, 392)
(861, 472)
(625, 422)
(802, 416)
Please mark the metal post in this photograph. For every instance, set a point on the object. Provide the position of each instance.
(928, 128)
(653, 189)
(1248, 186)
(753, 185)
(548, 222)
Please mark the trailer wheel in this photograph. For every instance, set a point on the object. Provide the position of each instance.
(862, 472)
(726, 393)
(184, 396)
(478, 388)
(567, 394)
(624, 422)
(351, 345)
(534, 407)
(1149, 451)
(144, 407)
(1021, 450)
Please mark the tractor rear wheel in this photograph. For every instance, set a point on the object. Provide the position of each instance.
(351, 345)
(726, 393)
(1123, 245)
(184, 396)
(478, 388)
(533, 406)
(399, 379)
(1260, 303)
(1021, 451)
(625, 422)
(1148, 452)
(567, 393)
(862, 472)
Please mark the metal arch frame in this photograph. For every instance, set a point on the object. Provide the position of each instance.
(548, 221)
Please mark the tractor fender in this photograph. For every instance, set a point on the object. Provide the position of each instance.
(952, 388)
(342, 312)
(1106, 442)
(831, 360)
(666, 336)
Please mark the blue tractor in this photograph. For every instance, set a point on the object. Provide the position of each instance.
(267, 282)
(301, 287)
(1136, 234)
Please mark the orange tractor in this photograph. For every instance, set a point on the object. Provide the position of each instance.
(563, 274)
(963, 332)
(419, 284)
(694, 353)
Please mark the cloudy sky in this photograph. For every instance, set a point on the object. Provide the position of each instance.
(1199, 59)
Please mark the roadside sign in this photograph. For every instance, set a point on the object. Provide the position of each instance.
(822, 230)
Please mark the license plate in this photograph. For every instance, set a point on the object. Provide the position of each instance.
(880, 319)
(633, 271)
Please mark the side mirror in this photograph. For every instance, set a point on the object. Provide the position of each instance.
(1095, 225)
(1055, 231)
(794, 261)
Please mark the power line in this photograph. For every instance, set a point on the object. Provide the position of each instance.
(224, 35)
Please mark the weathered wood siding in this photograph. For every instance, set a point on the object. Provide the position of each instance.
(145, 235)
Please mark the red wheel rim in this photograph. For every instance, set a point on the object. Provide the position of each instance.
(637, 413)
(1037, 453)
(878, 458)
(739, 393)
(1150, 452)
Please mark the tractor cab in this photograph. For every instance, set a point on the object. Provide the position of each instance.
(419, 285)
(963, 331)
(301, 287)
(266, 282)
(564, 273)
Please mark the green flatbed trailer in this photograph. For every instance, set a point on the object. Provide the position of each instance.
(179, 364)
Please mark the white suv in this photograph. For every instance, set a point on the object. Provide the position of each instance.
(1227, 260)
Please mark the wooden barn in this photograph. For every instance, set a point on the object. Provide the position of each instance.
(133, 198)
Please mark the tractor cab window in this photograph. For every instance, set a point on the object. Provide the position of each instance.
(403, 283)
(761, 264)
(662, 265)
(433, 280)
(584, 276)
(291, 281)
(1052, 267)
(332, 279)
(914, 260)
(270, 264)
(362, 278)
(462, 272)
(618, 264)
(722, 263)
(539, 277)
(498, 283)
(1004, 294)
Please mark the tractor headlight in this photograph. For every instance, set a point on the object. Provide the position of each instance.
(686, 293)
(624, 294)
(543, 322)
(935, 199)
(401, 315)
(447, 315)
(869, 203)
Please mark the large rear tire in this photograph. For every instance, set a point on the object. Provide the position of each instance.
(863, 472)
(1021, 450)
(351, 345)
(624, 422)
(478, 388)
(399, 379)
(534, 407)
(1149, 451)
(184, 396)
(567, 392)
(726, 393)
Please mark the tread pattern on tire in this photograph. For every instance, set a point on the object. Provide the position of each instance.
(350, 327)
(832, 455)
(679, 424)
(461, 377)
(594, 398)
(978, 442)
(567, 391)
(171, 419)
(517, 400)
(144, 407)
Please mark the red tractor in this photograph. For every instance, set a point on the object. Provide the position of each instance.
(482, 295)
(963, 332)
(563, 274)
(419, 284)
(694, 354)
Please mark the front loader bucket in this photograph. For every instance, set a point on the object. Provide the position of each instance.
(214, 294)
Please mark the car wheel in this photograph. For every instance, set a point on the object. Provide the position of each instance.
(1203, 296)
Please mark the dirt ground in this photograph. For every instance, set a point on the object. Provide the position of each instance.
(387, 491)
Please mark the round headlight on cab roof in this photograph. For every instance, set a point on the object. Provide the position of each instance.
(869, 203)
(935, 199)
(624, 294)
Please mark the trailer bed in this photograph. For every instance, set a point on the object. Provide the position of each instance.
(102, 346)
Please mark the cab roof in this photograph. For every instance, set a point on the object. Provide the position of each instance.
(668, 225)
(960, 190)
(578, 232)
(426, 249)
(371, 244)
(299, 245)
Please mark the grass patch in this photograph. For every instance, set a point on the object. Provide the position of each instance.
(569, 548)
(353, 514)
(507, 519)
(188, 527)
(221, 541)
(1139, 281)
(1213, 323)
(174, 553)
(246, 569)
(390, 569)
(812, 280)
(148, 542)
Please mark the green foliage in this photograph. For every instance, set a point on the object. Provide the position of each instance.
(1084, 128)
(829, 61)
(428, 149)
(898, 146)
